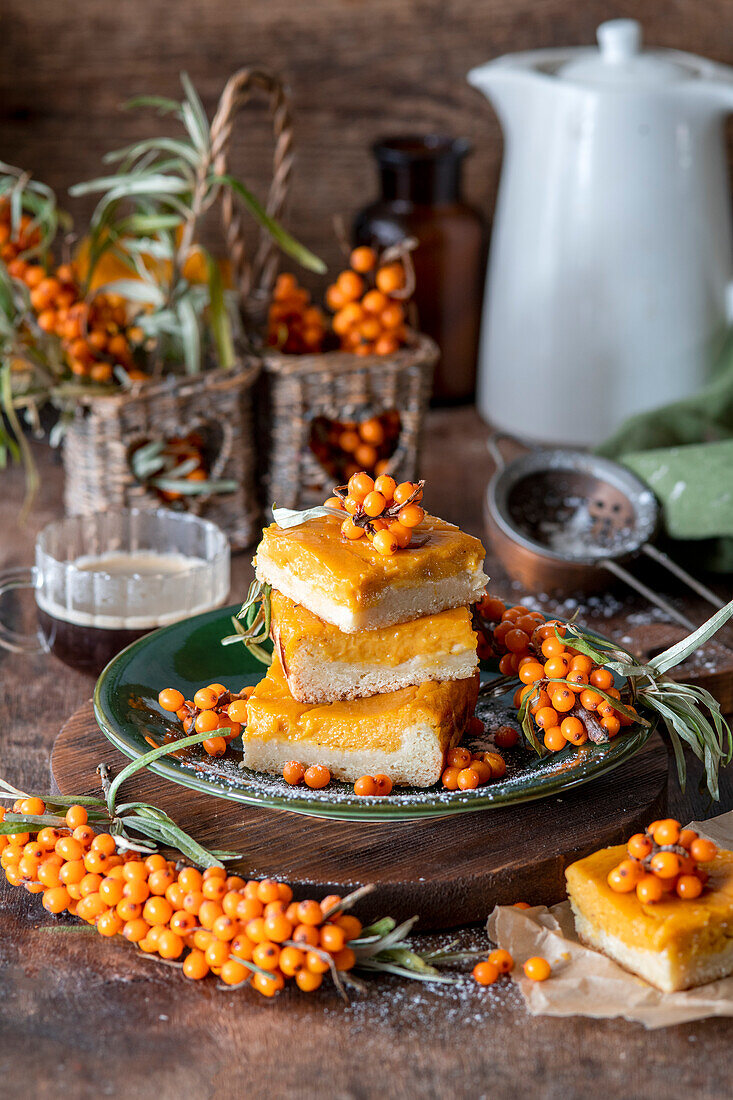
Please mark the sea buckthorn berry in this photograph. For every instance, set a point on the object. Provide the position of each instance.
(562, 698)
(277, 928)
(213, 889)
(485, 973)
(329, 902)
(91, 907)
(384, 784)
(546, 717)
(385, 485)
(576, 736)
(351, 530)
(468, 779)
(217, 953)
(577, 679)
(601, 678)
(639, 846)
(385, 543)
(266, 955)
(135, 930)
(109, 923)
(689, 886)
(649, 889)
(206, 721)
(360, 486)
(157, 910)
(160, 880)
(309, 912)
(686, 838)
(317, 776)
(572, 728)
(458, 757)
(501, 959)
(316, 963)
(332, 938)
(516, 641)
(521, 905)
(34, 806)
(537, 969)
(292, 959)
(47, 837)
(214, 746)
(268, 984)
(553, 739)
(374, 504)
(556, 668)
(539, 700)
(234, 973)
(224, 928)
(75, 816)
(530, 672)
(293, 772)
(68, 848)
(611, 725)
(190, 878)
(136, 890)
(390, 277)
(85, 834)
(449, 778)
(702, 850)
(170, 699)
(104, 843)
(497, 763)
(552, 647)
(56, 899)
(581, 663)
(411, 515)
(665, 864)
(590, 699)
(306, 934)
(195, 965)
(268, 891)
(110, 891)
(237, 711)
(482, 769)
(363, 259)
(365, 786)
(205, 698)
(350, 926)
(506, 737)
(624, 878)
(48, 871)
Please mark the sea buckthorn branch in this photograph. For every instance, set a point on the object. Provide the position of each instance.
(200, 922)
(580, 663)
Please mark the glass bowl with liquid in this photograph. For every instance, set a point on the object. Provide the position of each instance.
(101, 581)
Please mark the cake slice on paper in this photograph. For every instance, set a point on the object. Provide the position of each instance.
(675, 942)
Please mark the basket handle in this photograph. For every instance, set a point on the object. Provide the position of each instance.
(258, 273)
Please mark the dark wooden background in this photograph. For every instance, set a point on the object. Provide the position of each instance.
(357, 69)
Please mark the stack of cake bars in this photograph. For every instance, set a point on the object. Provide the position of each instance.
(374, 666)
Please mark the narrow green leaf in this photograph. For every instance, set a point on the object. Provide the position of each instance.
(679, 652)
(281, 237)
(219, 317)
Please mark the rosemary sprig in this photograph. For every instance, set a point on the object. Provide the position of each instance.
(257, 613)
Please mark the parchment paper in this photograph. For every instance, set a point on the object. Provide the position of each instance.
(586, 983)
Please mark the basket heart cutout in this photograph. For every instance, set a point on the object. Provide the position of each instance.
(180, 466)
(345, 446)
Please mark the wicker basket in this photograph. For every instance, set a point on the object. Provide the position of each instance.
(340, 386)
(219, 403)
(106, 430)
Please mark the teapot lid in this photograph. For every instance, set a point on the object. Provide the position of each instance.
(620, 61)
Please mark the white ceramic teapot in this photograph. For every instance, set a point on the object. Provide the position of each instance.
(611, 255)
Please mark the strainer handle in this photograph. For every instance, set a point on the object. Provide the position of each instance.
(692, 582)
(648, 593)
(492, 444)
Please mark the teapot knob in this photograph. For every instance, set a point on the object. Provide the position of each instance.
(619, 39)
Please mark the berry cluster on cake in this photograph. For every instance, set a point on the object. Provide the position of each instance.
(375, 666)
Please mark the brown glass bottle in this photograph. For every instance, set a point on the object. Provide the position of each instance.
(421, 197)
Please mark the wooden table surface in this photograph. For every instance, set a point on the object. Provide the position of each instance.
(85, 1017)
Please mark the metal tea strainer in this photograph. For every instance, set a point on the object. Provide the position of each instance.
(559, 520)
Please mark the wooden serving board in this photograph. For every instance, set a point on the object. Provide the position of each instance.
(451, 871)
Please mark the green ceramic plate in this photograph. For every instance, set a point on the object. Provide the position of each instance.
(188, 654)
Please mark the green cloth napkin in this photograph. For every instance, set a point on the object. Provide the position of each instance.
(684, 453)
